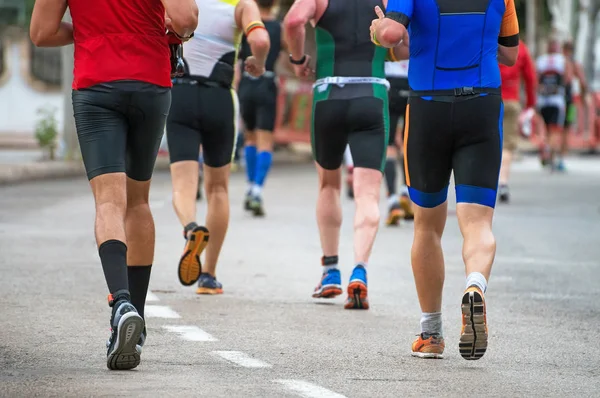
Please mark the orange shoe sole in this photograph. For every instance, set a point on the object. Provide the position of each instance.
(190, 265)
(207, 290)
(357, 297)
(474, 334)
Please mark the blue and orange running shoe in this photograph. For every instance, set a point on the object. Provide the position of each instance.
(208, 284)
(330, 285)
(357, 290)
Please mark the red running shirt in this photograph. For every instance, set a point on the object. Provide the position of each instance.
(120, 40)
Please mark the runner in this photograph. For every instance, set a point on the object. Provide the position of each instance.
(512, 77)
(399, 207)
(205, 109)
(121, 96)
(554, 73)
(258, 103)
(349, 107)
(576, 90)
(349, 170)
(453, 124)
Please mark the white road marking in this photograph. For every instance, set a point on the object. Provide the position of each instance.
(160, 311)
(308, 390)
(151, 297)
(190, 333)
(242, 359)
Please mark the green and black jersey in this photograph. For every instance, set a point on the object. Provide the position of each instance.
(344, 47)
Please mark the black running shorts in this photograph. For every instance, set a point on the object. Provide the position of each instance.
(258, 102)
(120, 126)
(398, 97)
(206, 114)
(354, 115)
(464, 136)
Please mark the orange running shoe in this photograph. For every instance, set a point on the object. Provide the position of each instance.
(406, 206)
(189, 265)
(394, 215)
(474, 332)
(431, 347)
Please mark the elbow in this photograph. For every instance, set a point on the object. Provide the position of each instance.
(37, 36)
(259, 43)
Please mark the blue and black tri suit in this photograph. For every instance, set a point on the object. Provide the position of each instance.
(454, 115)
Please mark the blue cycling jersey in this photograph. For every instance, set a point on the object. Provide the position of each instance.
(454, 43)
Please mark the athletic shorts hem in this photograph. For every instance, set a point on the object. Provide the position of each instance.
(476, 195)
(428, 200)
(105, 170)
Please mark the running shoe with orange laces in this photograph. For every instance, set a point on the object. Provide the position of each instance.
(430, 347)
(190, 265)
(474, 332)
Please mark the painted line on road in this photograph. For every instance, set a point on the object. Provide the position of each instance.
(160, 311)
(190, 333)
(242, 359)
(308, 390)
(151, 297)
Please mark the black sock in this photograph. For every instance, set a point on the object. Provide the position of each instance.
(139, 279)
(390, 176)
(113, 256)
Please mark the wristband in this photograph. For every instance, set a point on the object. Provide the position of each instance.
(375, 41)
(300, 61)
(391, 55)
(253, 25)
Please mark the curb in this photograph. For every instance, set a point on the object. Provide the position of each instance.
(17, 173)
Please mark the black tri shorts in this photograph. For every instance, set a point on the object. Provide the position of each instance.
(464, 136)
(398, 97)
(354, 115)
(258, 102)
(120, 126)
(202, 113)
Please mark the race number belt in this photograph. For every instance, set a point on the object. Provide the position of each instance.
(268, 74)
(341, 81)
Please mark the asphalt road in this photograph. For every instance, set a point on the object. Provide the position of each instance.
(266, 337)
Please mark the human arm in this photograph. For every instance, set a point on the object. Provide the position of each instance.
(529, 76)
(47, 28)
(508, 39)
(181, 17)
(390, 30)
(294, 29)
(247, 18)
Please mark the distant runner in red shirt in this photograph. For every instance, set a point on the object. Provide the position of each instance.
(121, 97)
(512, 77)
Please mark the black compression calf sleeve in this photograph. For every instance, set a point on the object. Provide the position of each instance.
(390, 176)
(113, 256)
(139, 279)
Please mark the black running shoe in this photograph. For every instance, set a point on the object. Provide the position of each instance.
(248, 201)
(503, 194)
(256, 205)
(140, 344)
(127, 326)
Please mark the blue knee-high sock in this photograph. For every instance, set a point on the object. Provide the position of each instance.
(250, 154)
(263, 164)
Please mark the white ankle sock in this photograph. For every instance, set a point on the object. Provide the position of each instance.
(327, 268)
(256, 190)
(393, 200)
(431, 323)
(477, 279)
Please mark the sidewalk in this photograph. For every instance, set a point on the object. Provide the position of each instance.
(19, 165)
